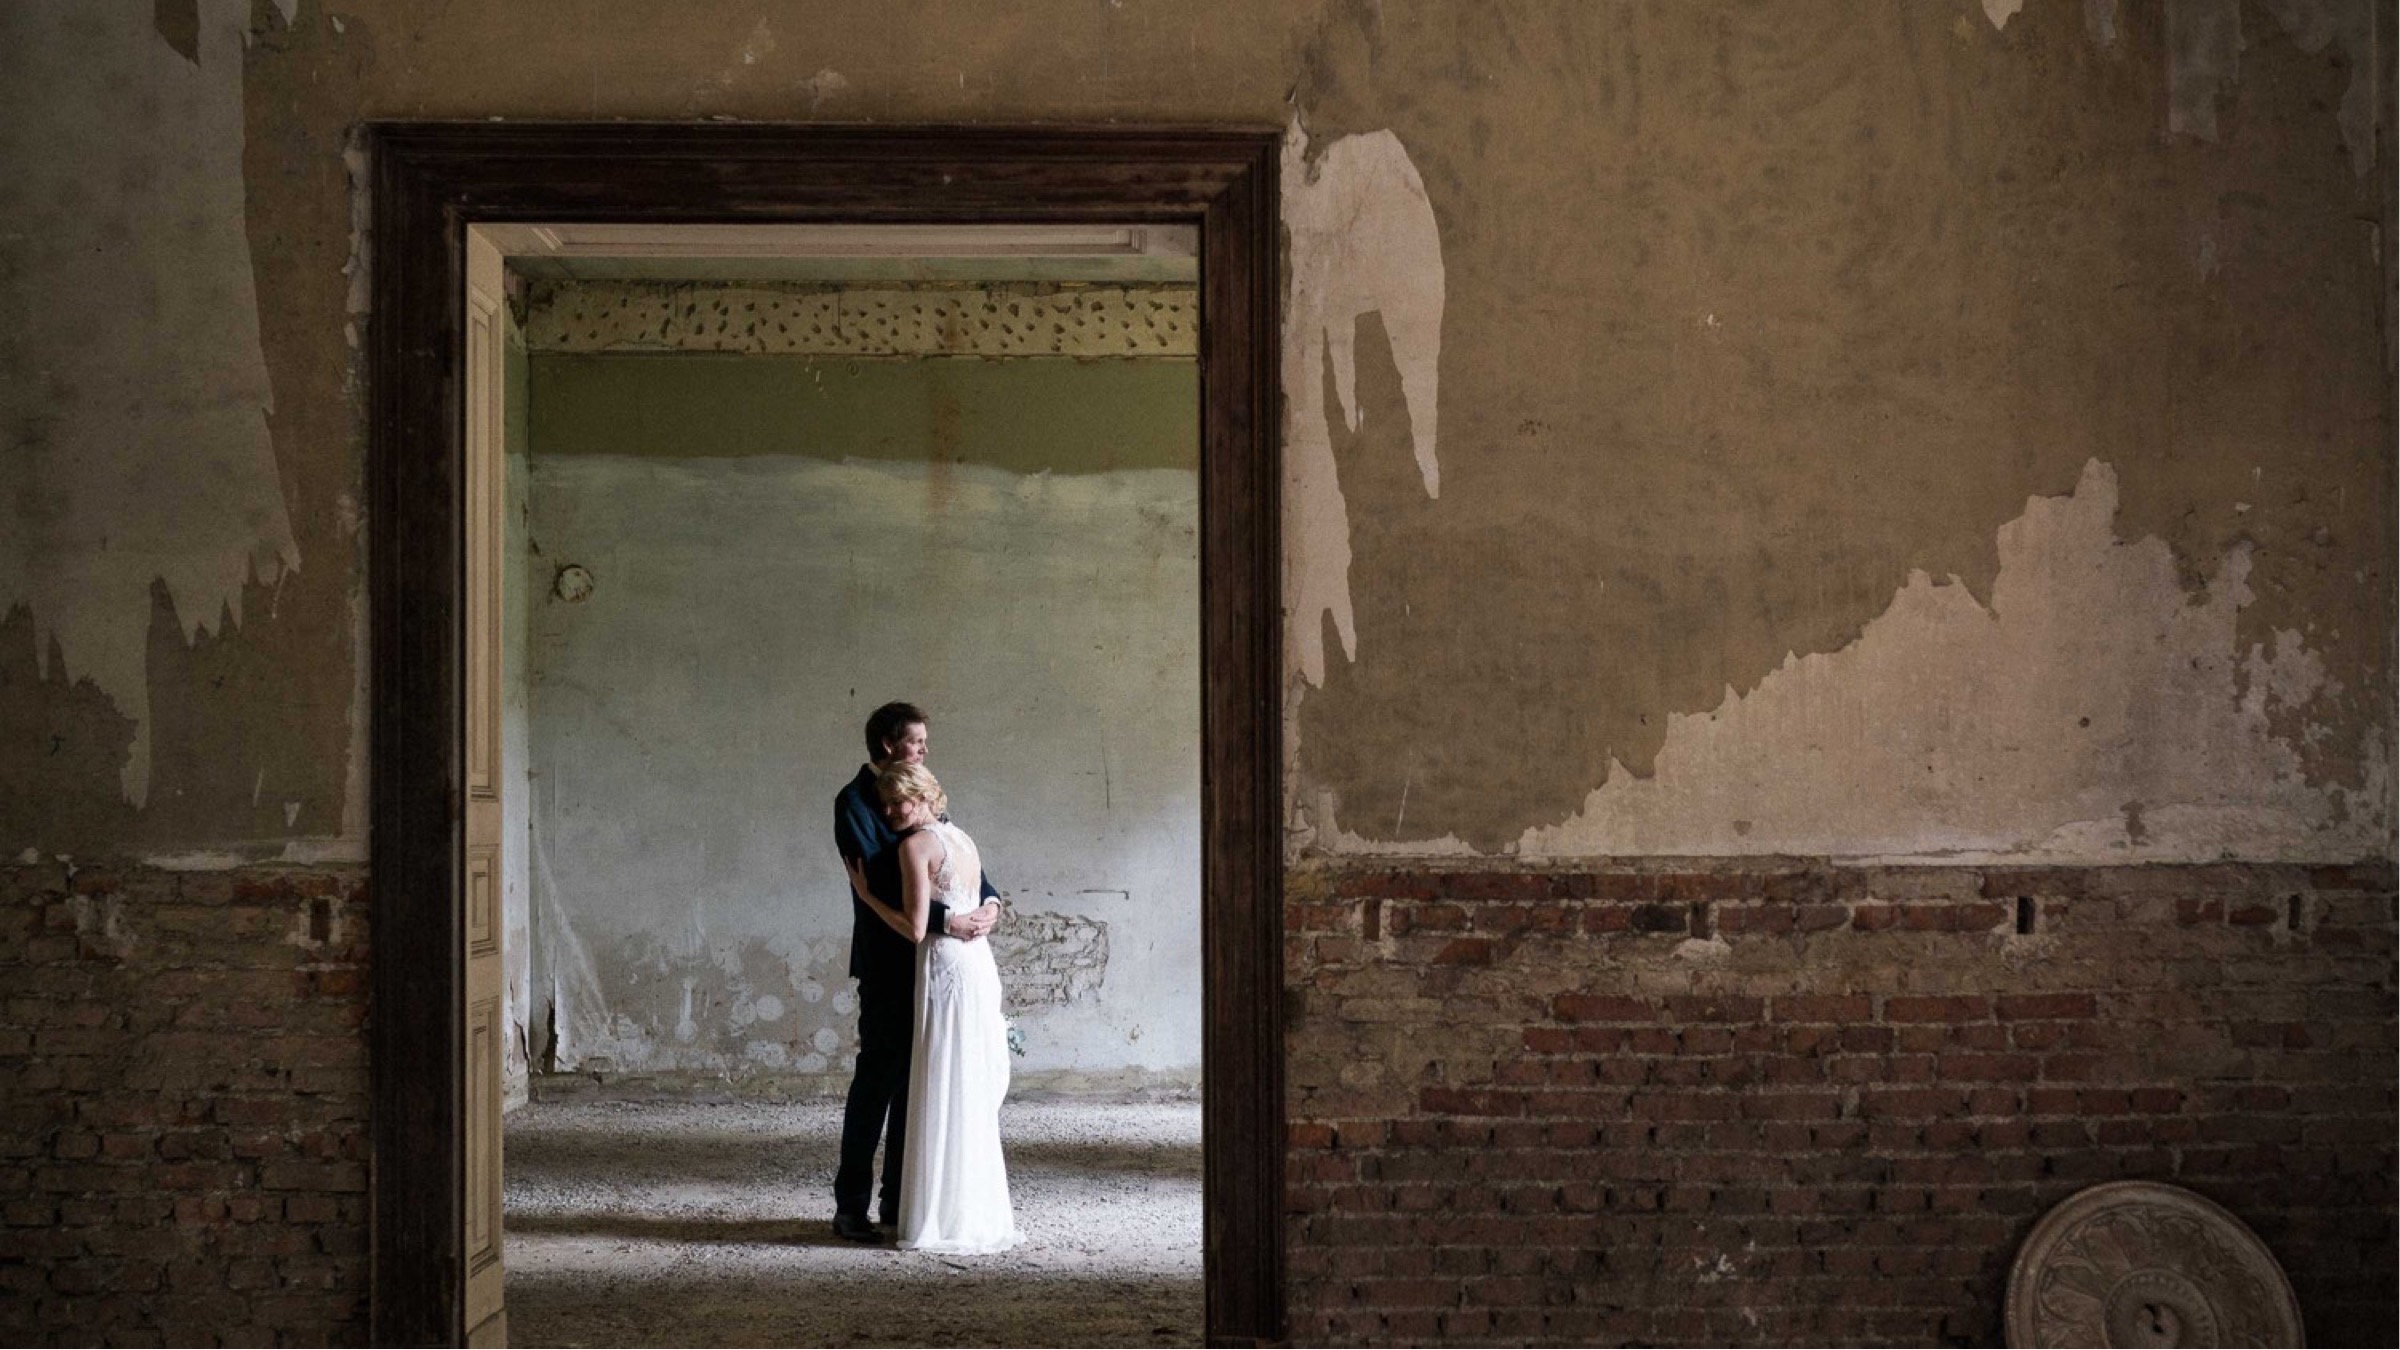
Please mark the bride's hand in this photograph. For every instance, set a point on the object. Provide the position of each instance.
(973, 924)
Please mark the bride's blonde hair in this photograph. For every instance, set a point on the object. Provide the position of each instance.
(896, 783)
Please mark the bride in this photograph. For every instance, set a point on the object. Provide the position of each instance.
(953, 1180)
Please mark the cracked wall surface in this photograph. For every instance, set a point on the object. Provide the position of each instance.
(1731, 321)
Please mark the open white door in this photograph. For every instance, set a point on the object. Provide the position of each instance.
(486, 1316)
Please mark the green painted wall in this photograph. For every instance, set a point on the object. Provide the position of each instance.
(1032, 415)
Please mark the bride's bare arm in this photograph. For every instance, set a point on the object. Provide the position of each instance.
(916, 886)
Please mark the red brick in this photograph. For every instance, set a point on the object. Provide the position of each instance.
(1967, 918)
(1912, 1102)
(1824, 1008)
(2018, 1007)
(1791, 1106)
(1714, 1008)
(1988, 1068)
(1429, 918)
(1605, 919)
(1601, 1008)
(1465, 952)
(1919, 1008)
(1549, 1040)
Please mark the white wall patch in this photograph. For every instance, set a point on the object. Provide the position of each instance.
(1363, 241)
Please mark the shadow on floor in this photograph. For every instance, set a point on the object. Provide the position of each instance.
(803, 1232)
(633, 1161)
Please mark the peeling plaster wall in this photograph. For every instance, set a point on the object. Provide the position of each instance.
(139, 467)
(1363, 241)
(2089, 680)
(1749, 320)
(1730, 320)
(174, 683)
(694, 715)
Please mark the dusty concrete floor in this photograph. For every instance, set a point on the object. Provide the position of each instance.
(679, 1223)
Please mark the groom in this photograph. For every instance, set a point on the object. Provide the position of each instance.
(885, 966)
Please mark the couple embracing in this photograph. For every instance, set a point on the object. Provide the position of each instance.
(932, 1041)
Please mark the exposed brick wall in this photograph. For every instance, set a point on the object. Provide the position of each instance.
(1732, 1103)
(1749, 1103)
(183, 1078)
(1049, 960)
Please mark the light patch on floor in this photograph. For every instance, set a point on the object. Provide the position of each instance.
(2095, 710)
(708, 1224)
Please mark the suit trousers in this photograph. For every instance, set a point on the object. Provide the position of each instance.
(878, 1100)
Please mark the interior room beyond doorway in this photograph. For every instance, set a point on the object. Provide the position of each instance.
(756, 490)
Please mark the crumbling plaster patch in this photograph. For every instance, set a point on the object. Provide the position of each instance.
(1890, 341)
(1363, 240)
(135, 393)
(2094, 709)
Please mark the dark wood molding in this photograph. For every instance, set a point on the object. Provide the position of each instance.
(432, 180)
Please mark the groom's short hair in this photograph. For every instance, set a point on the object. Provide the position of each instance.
(885, 725)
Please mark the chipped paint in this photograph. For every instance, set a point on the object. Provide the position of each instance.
(1069, 320)
(2092, 710)
(2001, 11)
(137, 398)
(1363, 241)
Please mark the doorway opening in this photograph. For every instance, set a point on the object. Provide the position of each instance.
(443, 1030)
(755, 482)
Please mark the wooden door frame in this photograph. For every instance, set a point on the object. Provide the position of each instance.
(429, 182)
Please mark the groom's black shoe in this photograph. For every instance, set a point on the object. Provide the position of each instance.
(855, 1227)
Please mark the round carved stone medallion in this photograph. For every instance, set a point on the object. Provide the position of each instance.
(2135, 1263)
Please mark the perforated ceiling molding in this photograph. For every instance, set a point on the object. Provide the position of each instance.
(885, 321)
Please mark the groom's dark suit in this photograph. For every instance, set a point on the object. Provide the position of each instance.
(885, 966)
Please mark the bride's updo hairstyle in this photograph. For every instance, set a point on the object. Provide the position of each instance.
(896, 783)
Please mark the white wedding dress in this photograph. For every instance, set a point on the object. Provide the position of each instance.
(953, 1180)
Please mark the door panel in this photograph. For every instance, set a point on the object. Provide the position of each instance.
(482, 1276)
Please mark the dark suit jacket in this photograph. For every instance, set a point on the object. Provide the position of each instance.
(859, 831)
